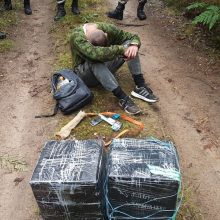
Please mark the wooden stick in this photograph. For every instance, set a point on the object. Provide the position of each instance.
(66, 130)
(118, 136)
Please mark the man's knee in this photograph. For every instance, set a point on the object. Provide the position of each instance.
(104, 76)
(98, 67)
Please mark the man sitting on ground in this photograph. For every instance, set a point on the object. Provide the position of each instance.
(99, 50)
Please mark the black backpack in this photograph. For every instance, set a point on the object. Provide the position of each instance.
(71, 96)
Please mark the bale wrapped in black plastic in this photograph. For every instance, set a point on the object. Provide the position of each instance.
(144, 180)
(65, 180)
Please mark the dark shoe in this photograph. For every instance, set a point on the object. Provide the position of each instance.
(75, 9)
(140, 11)
(8, 5)
(60, 12)
(144, 93)
(117, 13)
(27, 7)
(2, 35)
(129, 106)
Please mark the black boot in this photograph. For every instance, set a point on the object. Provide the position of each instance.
(8, 5)
(2, 35)
(118, 12)
(75, 9)
(27, 7)
(60, 12)
(140, 10)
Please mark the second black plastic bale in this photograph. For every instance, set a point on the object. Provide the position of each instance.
(143, 180)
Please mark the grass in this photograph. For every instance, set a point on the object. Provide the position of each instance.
(6, 45)
(8, 19)
(12, 163)
(184, 3)
(188, 209)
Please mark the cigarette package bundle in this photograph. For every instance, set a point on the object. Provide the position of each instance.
(65, 180)
(143, 180)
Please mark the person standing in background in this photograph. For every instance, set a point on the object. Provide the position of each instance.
(61, 12)
(27, 6)
(118, 12)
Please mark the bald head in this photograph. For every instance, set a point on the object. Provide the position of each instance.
(98, 38)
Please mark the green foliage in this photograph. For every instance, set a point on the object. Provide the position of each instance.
(178, 4)
(197, 5)
(209, 16)
(64, 61)
(86, 18)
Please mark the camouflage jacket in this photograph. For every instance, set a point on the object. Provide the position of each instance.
(83, 50)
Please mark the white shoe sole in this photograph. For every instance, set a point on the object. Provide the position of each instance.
(136, 113)
(130, 112)
(136, 95)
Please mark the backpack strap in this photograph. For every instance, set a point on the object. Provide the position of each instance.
(56, 108)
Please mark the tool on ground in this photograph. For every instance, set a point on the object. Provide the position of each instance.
(116, 116)
(96, 121)
(66, 130)
(116, 125)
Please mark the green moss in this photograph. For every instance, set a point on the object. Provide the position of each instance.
(189, 30)
(172, 11)
(12, 163)
(5, 45)
(184, 3)
(7, 20)
(188, 210)
(64, 61)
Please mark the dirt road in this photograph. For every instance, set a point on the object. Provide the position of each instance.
(187, 82)
(24, 93)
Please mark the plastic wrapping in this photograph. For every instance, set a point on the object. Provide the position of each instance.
(143, 180)
(133, 179)
(65, 180)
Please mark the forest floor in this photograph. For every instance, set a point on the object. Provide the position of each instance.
(187, 81)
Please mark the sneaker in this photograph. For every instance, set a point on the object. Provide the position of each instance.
(144, 93)
(129, 106)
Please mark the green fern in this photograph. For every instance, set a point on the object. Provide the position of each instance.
(197, 5)
(210, 14)
(209, 17)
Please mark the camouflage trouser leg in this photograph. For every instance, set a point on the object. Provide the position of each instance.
(60, 1)
(125, 1)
